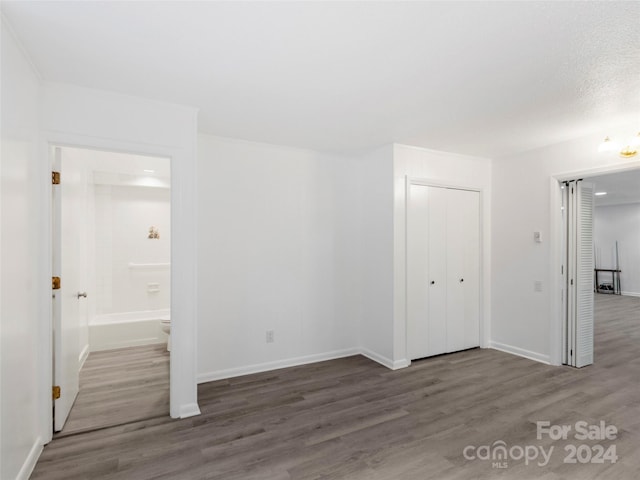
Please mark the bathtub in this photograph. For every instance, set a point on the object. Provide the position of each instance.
(127, 329)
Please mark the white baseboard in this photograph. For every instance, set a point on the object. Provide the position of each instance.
(631, 294)
(521, 352)
(403, 363)
(83, 356)
(189, 410)
(267, 366)
(321, 357)
(31, 460)
(384, 361)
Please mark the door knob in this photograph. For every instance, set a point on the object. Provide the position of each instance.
(82, 294)
(461, 280)
(433, 282)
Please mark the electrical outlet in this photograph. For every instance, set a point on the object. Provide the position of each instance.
(270, 336)
(537, 286)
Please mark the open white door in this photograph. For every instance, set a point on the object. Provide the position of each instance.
(69, 305)
(579, 305)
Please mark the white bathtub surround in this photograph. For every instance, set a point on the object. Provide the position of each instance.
(132, 271)
(128, 329)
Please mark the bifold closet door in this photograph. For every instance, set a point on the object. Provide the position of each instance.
(426, 271)
(463, 269)
(423, 336)
(579, 314)
(443, 239)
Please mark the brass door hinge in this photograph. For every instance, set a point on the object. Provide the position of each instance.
(55, 178)
(55, 392)
(55, 283)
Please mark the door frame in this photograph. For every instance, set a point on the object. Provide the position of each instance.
(483, 270)
(183, 357)
(556, 314)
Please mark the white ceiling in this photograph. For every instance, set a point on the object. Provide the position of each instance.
(621, 188)
(484, 78)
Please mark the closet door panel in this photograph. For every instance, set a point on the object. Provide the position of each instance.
(437, 276)
(417, 272)
(456, 231)
(471, 269)
(463, 269)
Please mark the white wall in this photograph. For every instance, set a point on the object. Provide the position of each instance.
(22, 228)
(277, 251)
(375, 177)
(439, 168)
(525, 321)
(619, 223)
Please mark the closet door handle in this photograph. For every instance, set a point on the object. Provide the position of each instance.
(433, 282)
(461, 280)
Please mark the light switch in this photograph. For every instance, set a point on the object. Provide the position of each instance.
(537, 236)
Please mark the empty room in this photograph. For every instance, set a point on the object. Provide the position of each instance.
(319, 240)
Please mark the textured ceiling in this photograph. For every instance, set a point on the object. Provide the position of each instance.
(483, 78)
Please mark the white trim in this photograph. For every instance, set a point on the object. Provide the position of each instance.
(275, 365)
(520, 352)
(630, 294)
(45, 340)
(189, 410)
(556, 283)
(594, 172)
(428, 182)
(183, 365)
(32, 458)
(83, 356)
(384, 361)
(402, 363)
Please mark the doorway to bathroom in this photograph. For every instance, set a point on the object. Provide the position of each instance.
(111, 217)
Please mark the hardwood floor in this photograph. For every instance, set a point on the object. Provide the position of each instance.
(120, 386)
(354, 419)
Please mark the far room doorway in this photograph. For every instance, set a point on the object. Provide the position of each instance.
(609, 286)
(111, 215)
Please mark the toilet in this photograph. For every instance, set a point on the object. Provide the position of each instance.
(165, 324)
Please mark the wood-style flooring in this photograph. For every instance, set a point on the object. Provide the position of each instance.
(354, 419)
(120, 386)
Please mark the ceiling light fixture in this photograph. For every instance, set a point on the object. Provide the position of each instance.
(625, 151)
(599, 194)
